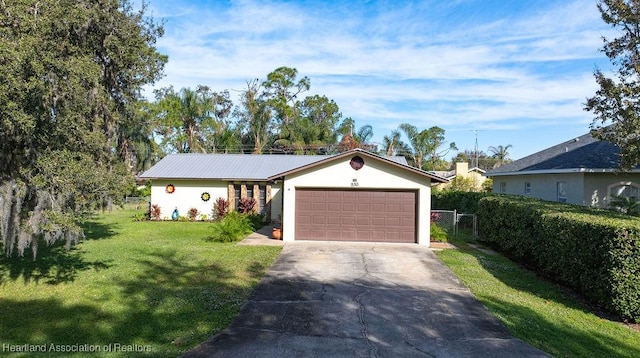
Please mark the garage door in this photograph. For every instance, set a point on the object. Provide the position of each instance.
(355, 215)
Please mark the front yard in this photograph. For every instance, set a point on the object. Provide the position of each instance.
(160, 288)
(536, 311)
(130, 289)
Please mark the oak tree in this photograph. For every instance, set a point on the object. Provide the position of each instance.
(72, 72)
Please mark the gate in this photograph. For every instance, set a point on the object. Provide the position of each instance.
(456, 223)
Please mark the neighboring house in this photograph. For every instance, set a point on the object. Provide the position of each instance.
(580, 171)
(352, 196)
(462, 170)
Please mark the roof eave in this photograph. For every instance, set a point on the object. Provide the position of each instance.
(362, 152)
(209, 178)
(561, 171)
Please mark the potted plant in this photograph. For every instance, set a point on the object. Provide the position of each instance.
(276, 233)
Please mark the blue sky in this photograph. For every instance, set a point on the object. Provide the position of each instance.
(511, 71)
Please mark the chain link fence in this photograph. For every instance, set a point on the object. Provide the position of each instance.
(453, 222)
(138, 202)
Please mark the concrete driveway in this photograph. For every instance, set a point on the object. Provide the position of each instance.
(362, 300)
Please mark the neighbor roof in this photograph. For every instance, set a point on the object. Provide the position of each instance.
(581, 154)
(233, 166)
(451, 174)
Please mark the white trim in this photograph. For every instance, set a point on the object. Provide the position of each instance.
(561, 171)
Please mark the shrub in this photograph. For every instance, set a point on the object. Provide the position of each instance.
(246, 205)
(461, 201)
(140, 217)
(596, 252)
(154, 212)
(466, 184)
(145, 192)
(257, 220)
(192, 214)
(233, 227)
(438, 233)
(220, 208)
(626, 205)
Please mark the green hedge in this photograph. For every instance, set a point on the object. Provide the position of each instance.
(462, 201)
(596, 252)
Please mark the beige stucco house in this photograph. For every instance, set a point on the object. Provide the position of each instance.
(580, 171)
(352, 196)
(462, 170)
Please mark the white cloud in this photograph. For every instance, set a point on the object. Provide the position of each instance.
(424, 62)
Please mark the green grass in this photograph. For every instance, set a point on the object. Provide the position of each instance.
(537, 311)
(159, 286)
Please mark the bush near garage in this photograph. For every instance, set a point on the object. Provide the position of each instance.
(461, 201)
(596, 252)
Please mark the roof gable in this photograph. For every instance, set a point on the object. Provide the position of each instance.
(360, 152)
(232, 166)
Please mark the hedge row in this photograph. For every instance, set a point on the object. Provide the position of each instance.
(462, 201)
(596, 252)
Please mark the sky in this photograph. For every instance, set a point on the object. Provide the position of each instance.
(505, 72)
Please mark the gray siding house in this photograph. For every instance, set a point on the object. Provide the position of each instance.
(580, 171)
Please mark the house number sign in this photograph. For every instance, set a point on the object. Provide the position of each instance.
(354, 183)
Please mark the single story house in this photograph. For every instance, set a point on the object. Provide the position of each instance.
(351, 196)
(462, 170)
(580, 171)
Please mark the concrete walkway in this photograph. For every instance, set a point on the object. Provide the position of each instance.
(362, 300)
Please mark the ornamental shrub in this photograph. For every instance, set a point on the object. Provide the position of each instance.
(233, 227)
(220, 208)
(192, 214)
(257, 220)
(438, 233)
(246, 205)
(596, 252)
(154, 212)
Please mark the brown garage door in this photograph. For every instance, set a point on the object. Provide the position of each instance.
(355, 215)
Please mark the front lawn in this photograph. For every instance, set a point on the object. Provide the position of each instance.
(131, 288)
(536, 311)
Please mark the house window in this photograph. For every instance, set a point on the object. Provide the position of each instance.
(527, 187)
(237, 191)
(624, 190)
(562, 191)
(503, 187)
(262, 201)
(249, 191)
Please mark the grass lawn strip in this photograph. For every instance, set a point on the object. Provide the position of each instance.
(536, 311)
(153, 286)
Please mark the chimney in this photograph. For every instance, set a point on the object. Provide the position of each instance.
(462, 169)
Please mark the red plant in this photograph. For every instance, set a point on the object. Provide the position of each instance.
(154, 212)
(193, 214)
(435, 216)
(221, 207)
(246, 205)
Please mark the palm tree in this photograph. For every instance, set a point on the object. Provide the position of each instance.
(501, 154)
(255, 117)
(425, 145)
(364, 134)
(186, 118)
(359, 139)
(417, 145)
(393, 145)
